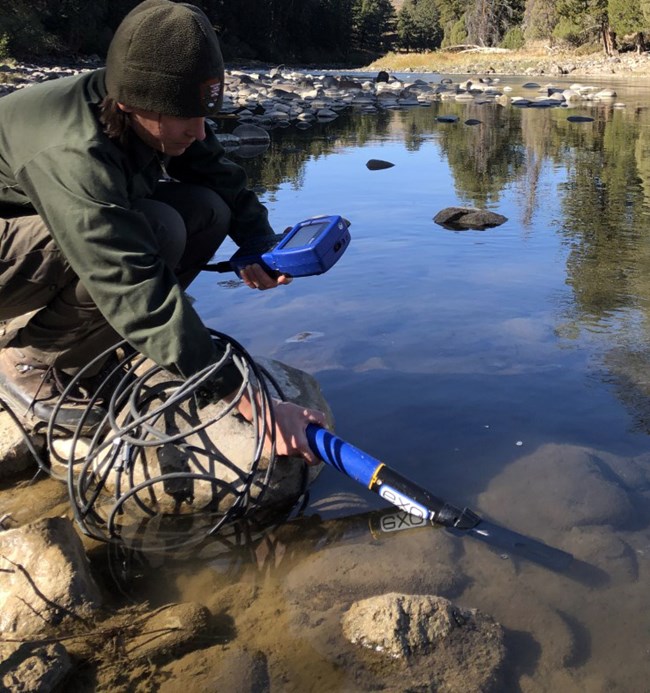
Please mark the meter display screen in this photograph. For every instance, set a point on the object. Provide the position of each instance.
(305, 235)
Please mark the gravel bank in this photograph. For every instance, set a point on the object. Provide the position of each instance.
(513, 63)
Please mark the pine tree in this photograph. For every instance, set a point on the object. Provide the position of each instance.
(585, 18)
(540, 18)
(418, 25)
(372, 22)
(625, 17)
(452, 20)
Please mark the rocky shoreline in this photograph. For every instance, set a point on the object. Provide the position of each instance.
(554, 62)
(258, 101)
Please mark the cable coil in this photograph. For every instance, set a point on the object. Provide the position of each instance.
(157, 460)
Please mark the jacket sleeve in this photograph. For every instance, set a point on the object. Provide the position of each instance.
(205, 163)
(113, 250)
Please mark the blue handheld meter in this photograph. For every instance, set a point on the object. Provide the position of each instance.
(311, 247)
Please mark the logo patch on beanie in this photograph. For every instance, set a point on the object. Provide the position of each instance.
(211, 91)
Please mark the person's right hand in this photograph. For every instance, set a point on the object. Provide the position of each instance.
(255, 277)
(291, 421)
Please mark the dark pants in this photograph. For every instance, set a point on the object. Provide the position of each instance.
(67, 329)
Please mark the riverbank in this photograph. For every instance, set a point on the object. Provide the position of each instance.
(544, 61)
(540, 61)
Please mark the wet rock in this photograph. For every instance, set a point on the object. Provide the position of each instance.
(382, 76)
(447, 119)
(169, 630)
(27, 667)
(449, 643)
(326, 114)
(250, 151)
(251, 134)
(543, 103)
(580, 119)
(457, 218)
(44, 578)
(378, 164)
(291, 476)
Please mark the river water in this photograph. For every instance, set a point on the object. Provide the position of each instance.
(504, 369)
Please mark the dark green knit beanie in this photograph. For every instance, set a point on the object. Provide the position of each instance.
(165, 58)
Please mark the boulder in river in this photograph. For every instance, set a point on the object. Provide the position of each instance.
(378, 165)
(458, 218)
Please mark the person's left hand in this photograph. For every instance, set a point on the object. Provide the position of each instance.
(255, 277)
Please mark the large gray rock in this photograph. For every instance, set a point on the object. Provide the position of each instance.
(44, 578)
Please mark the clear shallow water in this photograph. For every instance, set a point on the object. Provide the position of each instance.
(453, 356)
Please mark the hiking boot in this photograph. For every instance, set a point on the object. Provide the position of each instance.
(32, 391)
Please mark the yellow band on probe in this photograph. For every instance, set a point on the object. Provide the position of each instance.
(375, 474)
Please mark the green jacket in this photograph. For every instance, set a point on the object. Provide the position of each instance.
(56, 160)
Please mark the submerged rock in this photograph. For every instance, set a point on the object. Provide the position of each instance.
(251, 134)
(235, 668)
(169, 630)
(573, 487)
(27, 667)
(457, 218)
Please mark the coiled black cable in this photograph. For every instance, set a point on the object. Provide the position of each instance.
(109, 472)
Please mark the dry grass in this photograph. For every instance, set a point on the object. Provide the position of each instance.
(496, 60)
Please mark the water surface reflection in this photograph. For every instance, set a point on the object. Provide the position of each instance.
(505, 369)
